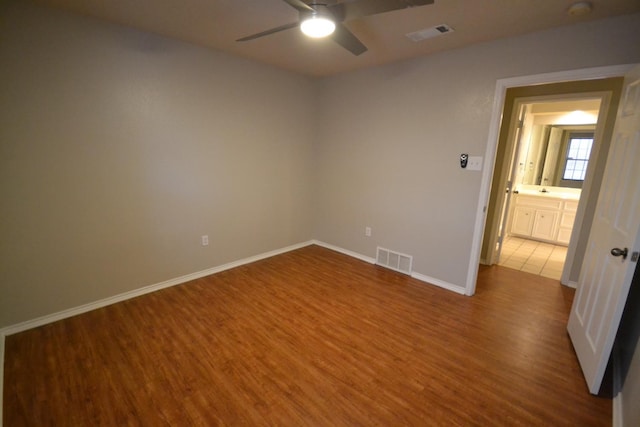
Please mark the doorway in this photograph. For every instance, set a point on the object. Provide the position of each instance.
(552, 151)
(500, 213)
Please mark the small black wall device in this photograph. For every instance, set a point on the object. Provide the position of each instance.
(464, 158)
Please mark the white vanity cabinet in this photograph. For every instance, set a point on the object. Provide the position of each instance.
(544, 218)
(522, 222)
(545, 225)
(567, 217)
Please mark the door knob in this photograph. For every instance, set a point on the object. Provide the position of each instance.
(620, 252)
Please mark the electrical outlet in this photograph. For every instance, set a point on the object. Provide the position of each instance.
(367, 231)
(205, 240)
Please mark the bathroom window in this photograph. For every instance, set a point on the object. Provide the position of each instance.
(577, 158)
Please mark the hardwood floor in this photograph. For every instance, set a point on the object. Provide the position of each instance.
(311, 337)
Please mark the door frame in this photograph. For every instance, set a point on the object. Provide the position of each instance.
(492, 142)
(512, 149)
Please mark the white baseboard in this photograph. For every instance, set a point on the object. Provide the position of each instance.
(618, 420)
(54, 317)
(423, 278)
(345, 251)
(50, 318)
(440, 283)
(571, 284)
(617, 409)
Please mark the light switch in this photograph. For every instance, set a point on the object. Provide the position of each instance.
(474, 163)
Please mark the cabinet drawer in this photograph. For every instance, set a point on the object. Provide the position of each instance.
(539, 202)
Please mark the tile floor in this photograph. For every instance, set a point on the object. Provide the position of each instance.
(534, 257)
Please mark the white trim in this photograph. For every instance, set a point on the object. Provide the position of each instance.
(440, 283)
(50, 318)
(423, 278)
(54, 317)
(617, 409)
(618, 419)
(492, 141)
(345, 251)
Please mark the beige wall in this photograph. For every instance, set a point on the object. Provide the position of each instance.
(391, 137)
(119, 149)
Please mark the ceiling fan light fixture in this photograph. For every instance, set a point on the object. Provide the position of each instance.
(580, 8)
(318, 24)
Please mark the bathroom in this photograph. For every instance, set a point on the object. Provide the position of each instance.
(555, 141)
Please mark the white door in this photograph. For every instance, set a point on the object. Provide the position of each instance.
(502, 226)
(606, 275)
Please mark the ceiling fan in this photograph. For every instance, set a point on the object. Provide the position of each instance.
(322, 18)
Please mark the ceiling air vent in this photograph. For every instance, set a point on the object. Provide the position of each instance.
(428, 33)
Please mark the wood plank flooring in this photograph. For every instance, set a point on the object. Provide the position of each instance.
(309, 338)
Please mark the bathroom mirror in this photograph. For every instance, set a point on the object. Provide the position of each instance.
(557, 155)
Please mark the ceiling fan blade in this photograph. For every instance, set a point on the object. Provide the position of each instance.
(271, 31)
(359, 8)
(347, 40)
(299, 5)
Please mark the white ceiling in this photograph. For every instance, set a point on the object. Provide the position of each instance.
(218, 23)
